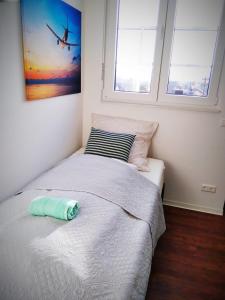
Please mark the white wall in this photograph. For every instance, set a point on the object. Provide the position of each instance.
(192, 144)
(34, 135)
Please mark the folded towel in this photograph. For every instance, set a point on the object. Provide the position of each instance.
(60, 208)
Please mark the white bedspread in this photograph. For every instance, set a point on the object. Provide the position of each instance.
(104, 253)
(155, 173)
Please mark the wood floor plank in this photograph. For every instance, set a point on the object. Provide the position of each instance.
(189, 261)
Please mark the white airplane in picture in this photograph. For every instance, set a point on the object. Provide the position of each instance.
(64, 40)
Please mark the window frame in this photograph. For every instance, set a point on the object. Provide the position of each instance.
(160, 74)
(109, 94)
(212, 98)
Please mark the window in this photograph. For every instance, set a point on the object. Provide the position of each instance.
(164, 51)
(190, 71)
(136, 39)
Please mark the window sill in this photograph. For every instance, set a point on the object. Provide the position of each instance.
(166, 105)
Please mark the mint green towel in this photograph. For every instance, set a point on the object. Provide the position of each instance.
(60, 208)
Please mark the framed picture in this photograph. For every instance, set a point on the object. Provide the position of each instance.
(51, 47)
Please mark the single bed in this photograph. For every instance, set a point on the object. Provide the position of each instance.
(104, 253)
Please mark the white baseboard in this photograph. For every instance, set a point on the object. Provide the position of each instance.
(195, 207)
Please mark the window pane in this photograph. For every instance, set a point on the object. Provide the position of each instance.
(198, 14)
(138, 14)
(136, 36)
(135, 46)
(194, 42)
(200, 44)
(189, 81)
(133, 78)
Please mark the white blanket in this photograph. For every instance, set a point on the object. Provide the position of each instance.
(104, 253)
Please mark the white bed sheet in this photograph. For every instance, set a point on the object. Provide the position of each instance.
(156, 173)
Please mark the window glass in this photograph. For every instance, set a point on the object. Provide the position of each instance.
(195, 34)
(136, 39)
(198, 14)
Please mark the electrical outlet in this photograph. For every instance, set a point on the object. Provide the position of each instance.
(208, 188)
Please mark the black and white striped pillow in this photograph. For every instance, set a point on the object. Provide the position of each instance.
(109, 144)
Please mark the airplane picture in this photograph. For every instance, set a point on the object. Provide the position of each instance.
(64, 40)
(51, 48)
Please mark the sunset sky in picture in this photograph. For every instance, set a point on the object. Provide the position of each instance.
(43, 58)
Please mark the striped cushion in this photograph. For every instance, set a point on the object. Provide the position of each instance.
(109, 144)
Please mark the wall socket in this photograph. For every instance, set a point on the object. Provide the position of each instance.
(208, 188)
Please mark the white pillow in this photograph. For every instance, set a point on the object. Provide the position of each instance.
(144, 131)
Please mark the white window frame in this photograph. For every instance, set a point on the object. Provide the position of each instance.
(212, 98)
(160, 74)
(109, 94)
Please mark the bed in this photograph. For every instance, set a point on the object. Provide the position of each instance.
(104, 253)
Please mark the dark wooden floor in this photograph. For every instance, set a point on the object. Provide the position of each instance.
(189, 262)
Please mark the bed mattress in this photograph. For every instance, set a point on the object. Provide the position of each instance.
(156, 173)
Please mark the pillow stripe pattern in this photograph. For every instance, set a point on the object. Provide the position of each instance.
(109, 144)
